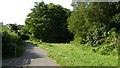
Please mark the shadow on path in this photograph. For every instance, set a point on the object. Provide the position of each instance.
(33, 56)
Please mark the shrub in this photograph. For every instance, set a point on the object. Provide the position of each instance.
(10, 41)
(96, 35)
(109, 46)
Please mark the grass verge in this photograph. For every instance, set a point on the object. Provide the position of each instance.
(73, 55)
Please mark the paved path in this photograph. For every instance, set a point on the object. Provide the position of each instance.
(33, 56)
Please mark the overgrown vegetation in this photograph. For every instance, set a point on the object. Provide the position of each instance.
(77, 55)
(96, 24)
(95, 27)
(12, 45)
(93, 31)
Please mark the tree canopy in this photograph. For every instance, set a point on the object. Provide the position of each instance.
(91, 22)
(48, 22)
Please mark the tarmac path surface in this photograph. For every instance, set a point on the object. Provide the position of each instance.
(33, 56)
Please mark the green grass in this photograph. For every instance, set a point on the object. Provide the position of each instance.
(72, 55)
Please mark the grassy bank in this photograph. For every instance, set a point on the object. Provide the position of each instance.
(72, 55)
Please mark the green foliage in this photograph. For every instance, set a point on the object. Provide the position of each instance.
(116, 21)
(13, 27)
(78, 23)
(116, 18)
(72, 55)
(47, 22)
(96, 24)
(18, 29)
(10, 37)
(5, 28)
(110, 44)
(95, 36)
(10, 41)
(24, 33)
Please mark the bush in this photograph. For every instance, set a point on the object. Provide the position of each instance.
(10, 41)
(96, 35)
(109, 46)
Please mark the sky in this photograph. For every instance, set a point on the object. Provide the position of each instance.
(15, 11)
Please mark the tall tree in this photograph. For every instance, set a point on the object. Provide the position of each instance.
(48, 22)
(89, 22)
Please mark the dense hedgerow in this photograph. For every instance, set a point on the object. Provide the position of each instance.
(11, 43)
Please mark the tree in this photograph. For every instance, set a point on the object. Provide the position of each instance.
(89, 22)
(13, 27)
(48, 22)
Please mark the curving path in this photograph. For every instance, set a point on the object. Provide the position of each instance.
(33, 56)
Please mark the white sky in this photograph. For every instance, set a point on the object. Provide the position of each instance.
(15, 11)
